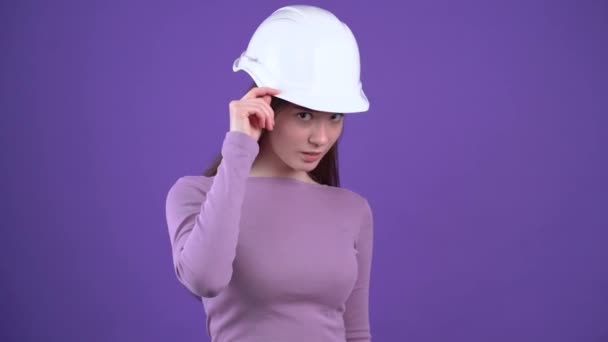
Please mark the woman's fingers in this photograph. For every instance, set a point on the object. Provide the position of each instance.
(253, 112)
(260, 92)
(260, 116)
(264, 110)
(267, 109)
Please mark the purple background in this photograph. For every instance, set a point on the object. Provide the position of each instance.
(483, 156)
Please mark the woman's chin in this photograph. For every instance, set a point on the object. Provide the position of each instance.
(305, 167)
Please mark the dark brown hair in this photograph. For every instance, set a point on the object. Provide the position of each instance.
(326, 172)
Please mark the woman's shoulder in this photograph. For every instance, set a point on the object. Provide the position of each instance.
(351, 198)
(191, 186)
(195, 180)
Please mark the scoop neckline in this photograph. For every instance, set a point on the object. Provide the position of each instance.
(287, 179)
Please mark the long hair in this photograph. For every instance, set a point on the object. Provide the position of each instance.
(326, 172)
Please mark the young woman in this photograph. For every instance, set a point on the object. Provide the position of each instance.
(268, 240)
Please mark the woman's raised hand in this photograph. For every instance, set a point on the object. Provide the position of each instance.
(252, 113)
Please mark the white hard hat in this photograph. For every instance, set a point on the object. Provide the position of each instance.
(310, 56)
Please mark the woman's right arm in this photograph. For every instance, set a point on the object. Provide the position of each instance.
(204, 225)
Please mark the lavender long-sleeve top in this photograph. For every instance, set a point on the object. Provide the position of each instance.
(273, 259)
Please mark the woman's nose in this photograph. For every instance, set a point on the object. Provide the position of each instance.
(318, 135)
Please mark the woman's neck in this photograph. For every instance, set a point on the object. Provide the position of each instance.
(268, 164)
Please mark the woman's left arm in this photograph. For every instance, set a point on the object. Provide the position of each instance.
(356, 315)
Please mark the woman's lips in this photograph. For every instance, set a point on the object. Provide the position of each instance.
(311, 156)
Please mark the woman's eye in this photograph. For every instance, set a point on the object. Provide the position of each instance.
(304, 115)
(337, 117)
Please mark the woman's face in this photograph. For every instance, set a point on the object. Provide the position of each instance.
(301, 137)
